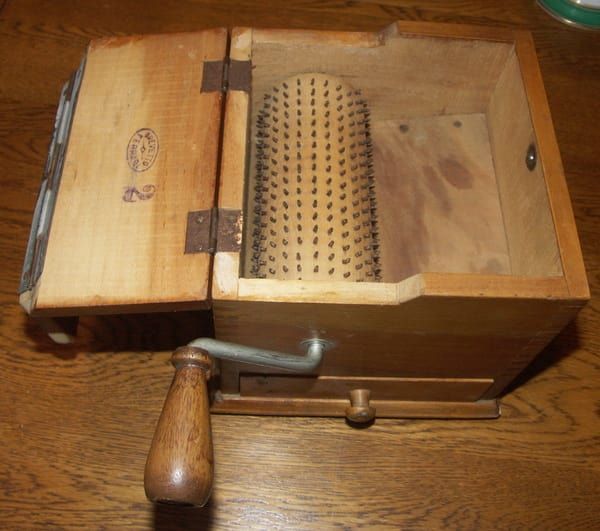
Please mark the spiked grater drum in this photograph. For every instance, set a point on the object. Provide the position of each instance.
(368, 224)
(314, 203)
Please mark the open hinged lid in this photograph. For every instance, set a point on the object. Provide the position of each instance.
(120, 223)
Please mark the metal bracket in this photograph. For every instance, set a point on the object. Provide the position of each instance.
(228, 74)
(213, 230)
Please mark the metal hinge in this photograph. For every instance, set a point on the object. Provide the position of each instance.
(228, 74)
(213, 230)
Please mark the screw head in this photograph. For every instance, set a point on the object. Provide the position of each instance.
(531, 157)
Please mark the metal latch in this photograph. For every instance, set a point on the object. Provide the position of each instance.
(213, 230)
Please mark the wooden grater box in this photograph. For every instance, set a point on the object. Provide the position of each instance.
(145, 206)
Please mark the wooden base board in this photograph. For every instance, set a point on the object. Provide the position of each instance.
(301, 407)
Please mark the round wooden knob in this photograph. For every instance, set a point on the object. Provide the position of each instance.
(179, 468)
(359, 409)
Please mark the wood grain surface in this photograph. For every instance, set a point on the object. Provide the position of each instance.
(76, 421)
(450, 171)
(136, 98)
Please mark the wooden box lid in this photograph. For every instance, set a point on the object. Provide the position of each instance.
(140, 160)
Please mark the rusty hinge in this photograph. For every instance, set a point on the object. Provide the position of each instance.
(229, 74)
(213, 230)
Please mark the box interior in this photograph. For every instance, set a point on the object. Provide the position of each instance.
(450, 129)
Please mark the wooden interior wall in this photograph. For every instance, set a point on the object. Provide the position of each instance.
(76, 422)
(523, 194)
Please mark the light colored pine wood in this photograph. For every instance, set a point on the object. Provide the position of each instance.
(456, 31)
(105, 251)
(549, 155)
(431, 336)
(546, 438)
(401, 75)
(386, 293)
(337, 292)
(527, 216)
(232, 178)
(438, 206)
(233, 155)
(446, 322)
(507, 286)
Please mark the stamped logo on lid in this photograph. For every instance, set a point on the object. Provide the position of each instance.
(142, 150)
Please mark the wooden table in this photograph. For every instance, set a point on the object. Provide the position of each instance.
(76, 422)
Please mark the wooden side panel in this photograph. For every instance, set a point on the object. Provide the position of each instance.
(226, 266)
(400, 74)
(527, 215)
(549, 154)
(437, 197)
(428, 337)
(142, 154)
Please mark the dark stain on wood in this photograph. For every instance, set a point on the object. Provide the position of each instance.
(437, 188)
(493, 266)
(455, 173)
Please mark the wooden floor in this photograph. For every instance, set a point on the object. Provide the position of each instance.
(76, 422)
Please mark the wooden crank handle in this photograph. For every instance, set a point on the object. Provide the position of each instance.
(179, 468)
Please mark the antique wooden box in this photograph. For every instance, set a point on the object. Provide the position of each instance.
(218, 170)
